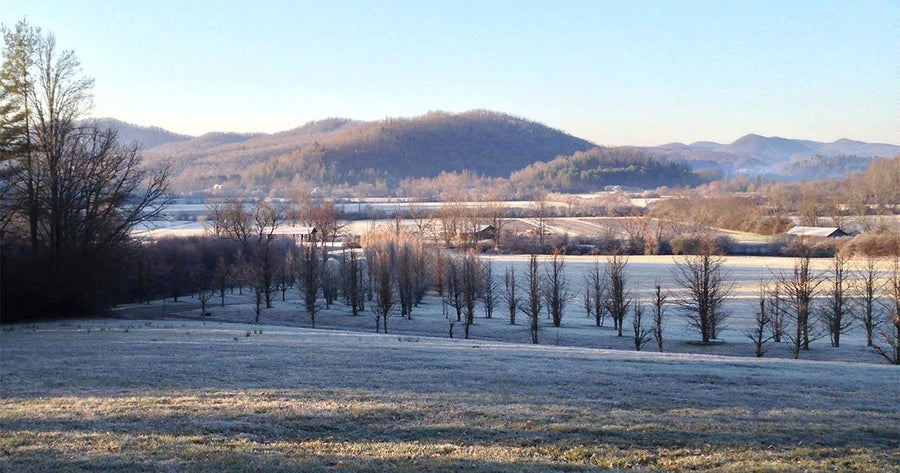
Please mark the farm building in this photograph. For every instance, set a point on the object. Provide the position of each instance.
(487, 232)
(817, 232)
(299, 234)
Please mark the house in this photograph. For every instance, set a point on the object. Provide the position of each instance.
(487, 232)
(299, 234)
(817, 232)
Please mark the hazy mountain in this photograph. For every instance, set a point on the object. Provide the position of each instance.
(780, 158)
(767, 149)
(147, 136)
(858, 148)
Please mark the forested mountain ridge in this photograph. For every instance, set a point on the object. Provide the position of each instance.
(604, 166)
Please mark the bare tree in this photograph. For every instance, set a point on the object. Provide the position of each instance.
(800, 288)
(454, 292)
(890, 332)
(587, 300)
(404, 275)
(267, 218)
(489, 289)
(659, 310)
(556, 291)
(353, 278)
(703, 280)
(423, 219)
(325, 218)
(451, 216)
(471, 281)
(310, 281)
(222, 273)
(596, 293)
(286, 273)
(642, 335)
(510, 296)
(636, 229)
(760, 334)
(777, 307)
(421, 273)
(540, 207)
(204, 296)
(617, 298)
(532, 305)
(438, 271)
(216, 216)
(330, 282)
(867, 292)
(837, 312)
(494, 213)
(382, 259)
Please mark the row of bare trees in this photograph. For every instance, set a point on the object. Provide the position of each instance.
(806, 305)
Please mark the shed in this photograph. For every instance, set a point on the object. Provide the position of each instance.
(299, 234)
(818, 232)
(487, 232)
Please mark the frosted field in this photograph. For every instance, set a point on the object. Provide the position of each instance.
(577, 330)
(132, 395)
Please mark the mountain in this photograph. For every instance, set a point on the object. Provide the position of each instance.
(147, 136)
(858, 148)
(339, 151)
(767, 149)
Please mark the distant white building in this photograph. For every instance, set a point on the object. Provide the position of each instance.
(299, 234)
(818, 232)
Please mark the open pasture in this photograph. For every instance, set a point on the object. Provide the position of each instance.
(114, 395)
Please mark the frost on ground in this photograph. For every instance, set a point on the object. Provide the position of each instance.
(136, 395)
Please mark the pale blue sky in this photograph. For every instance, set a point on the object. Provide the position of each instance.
(616, 73)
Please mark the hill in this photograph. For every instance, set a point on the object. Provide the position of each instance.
(593, 169)
(147, 136)
(338, 151)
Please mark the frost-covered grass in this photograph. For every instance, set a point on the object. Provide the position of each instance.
(192, 396)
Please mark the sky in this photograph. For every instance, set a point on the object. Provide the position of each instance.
(616, 73)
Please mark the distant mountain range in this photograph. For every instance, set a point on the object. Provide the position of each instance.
(338, 151)
(780, 158)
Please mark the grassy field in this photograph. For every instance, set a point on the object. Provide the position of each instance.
(193, 396)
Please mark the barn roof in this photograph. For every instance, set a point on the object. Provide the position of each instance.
(824, 232)
(294, 230)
